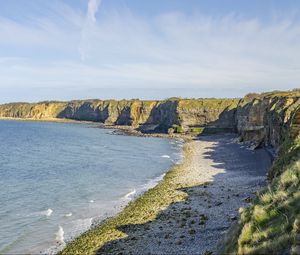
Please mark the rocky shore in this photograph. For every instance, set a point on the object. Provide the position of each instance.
(190, 210)
(184, 214)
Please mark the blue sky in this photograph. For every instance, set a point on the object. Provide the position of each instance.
(67, 49)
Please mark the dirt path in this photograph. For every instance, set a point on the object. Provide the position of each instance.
(195, 225)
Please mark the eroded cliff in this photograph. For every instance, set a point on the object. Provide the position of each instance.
(147, 115)
(271, 224)
(266, 119)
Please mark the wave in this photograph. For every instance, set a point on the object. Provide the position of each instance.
(92, 201)
(60, 235)
(49, 212)
(46, 213)
(165, 156)
(130, 194)
(68, 214)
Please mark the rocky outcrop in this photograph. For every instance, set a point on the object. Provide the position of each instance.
(270, 224)
(262, 119)
(266, 119)
(162, 115)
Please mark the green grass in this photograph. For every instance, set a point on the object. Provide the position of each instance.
(178, 129)
(271, 224)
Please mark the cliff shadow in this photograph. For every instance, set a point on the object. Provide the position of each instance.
(195, 224)
(85, 112)
(161, 117)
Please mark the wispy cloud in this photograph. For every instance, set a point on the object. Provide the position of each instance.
(88, 27)
(172, 50)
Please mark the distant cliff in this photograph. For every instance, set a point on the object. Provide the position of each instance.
(262, 119)
(148, 115)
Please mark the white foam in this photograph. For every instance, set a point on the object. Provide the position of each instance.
(81, 225)
(68, 214)
(165, 156)
(47, 212)
(60, 235)
(92, 201)
(130, 194)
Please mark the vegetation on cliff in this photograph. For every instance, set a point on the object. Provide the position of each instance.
(160, 115)
(271, 225)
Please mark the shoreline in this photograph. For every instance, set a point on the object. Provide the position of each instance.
(171, 200)
(174, 216)
(117, 129)
(137, 201)
(53, 120)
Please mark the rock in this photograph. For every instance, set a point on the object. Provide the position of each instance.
(247, 199)
(233, 217)
(192, 231)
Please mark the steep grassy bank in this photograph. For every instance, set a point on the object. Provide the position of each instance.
(271, 225)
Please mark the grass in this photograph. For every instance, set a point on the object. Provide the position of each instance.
(144, 209)
(178, 129)
(271, 224)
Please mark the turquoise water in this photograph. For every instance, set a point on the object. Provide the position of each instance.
(57, 179)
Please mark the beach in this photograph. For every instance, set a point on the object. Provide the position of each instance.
(191, 209)
(55, 187)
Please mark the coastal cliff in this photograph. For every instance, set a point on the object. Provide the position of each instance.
(271, 224)
(262, 119)
(158, 116)
(266, 119)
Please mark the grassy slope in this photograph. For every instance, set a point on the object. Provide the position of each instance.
(271, 225)
(142, 210)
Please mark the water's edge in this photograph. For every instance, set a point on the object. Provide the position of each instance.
(122, 202)
(129, 198)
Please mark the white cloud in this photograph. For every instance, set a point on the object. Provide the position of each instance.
(88, 27)
(173, 50)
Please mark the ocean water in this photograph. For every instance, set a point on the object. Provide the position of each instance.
(57, 179)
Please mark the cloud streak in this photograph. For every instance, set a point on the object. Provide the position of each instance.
(172, 50)
(88, 27)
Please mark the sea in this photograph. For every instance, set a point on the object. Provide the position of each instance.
(57, 180)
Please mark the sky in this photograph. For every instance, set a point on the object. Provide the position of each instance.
(150, 49)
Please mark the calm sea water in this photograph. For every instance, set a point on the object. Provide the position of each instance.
(56, 179)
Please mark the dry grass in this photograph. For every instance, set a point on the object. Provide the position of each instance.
(271, 224)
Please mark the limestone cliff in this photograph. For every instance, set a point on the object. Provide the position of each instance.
(265, 119)
(160, 115)
(261, 119)
(271, 224)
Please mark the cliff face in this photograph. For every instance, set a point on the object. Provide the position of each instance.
(261, 119)
(43, 110)
(266, 119)
(271, 224)
(161, 115)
